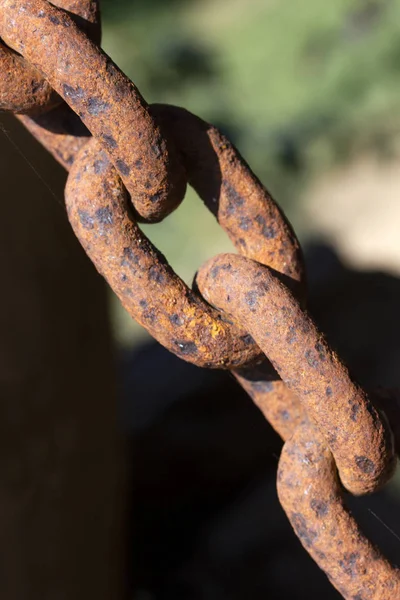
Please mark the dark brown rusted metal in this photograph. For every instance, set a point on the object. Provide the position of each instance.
(311, 496)
(108, 103)
(388, 400)
(231, 191)
(153, 150)
(22, 87)
(252, 293)
(308, 485)
(279, 405)
(60, 131)
(141, 277)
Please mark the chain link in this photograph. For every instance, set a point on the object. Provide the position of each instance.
(33, 94)
(245, 312)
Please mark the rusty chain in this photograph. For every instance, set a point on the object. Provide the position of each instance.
(130, 162)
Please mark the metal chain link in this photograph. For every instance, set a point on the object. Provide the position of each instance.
(242, 308)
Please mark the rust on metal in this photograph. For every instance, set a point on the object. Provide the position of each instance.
(108, 103)
(152, 293)
(60, 131)
(231, 191)
(253, 294)
(246, 313)
(138, 273)
(388, 400)
(23, 89)
(311, 496)
(279, 405)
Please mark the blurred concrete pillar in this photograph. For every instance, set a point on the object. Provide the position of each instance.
(61, 458)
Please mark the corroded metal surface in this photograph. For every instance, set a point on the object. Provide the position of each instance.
(279, 405)
(108, 103)
(152, 293)
(308, 485)
(228, 187)
(312, 498)
(145, 155)
(23, 89)
(141, 277)
(253, 294)
(60, 131)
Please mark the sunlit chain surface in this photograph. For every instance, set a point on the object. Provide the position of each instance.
(129, 162)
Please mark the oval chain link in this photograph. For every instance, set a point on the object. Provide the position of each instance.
(242, 308)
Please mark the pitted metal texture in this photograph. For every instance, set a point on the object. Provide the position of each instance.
(246, 312)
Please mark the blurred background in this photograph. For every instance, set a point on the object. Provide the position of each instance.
(310, 94)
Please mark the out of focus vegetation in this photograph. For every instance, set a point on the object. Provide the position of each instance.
(297, 85)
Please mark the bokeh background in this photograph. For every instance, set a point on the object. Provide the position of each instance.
(310, 93)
